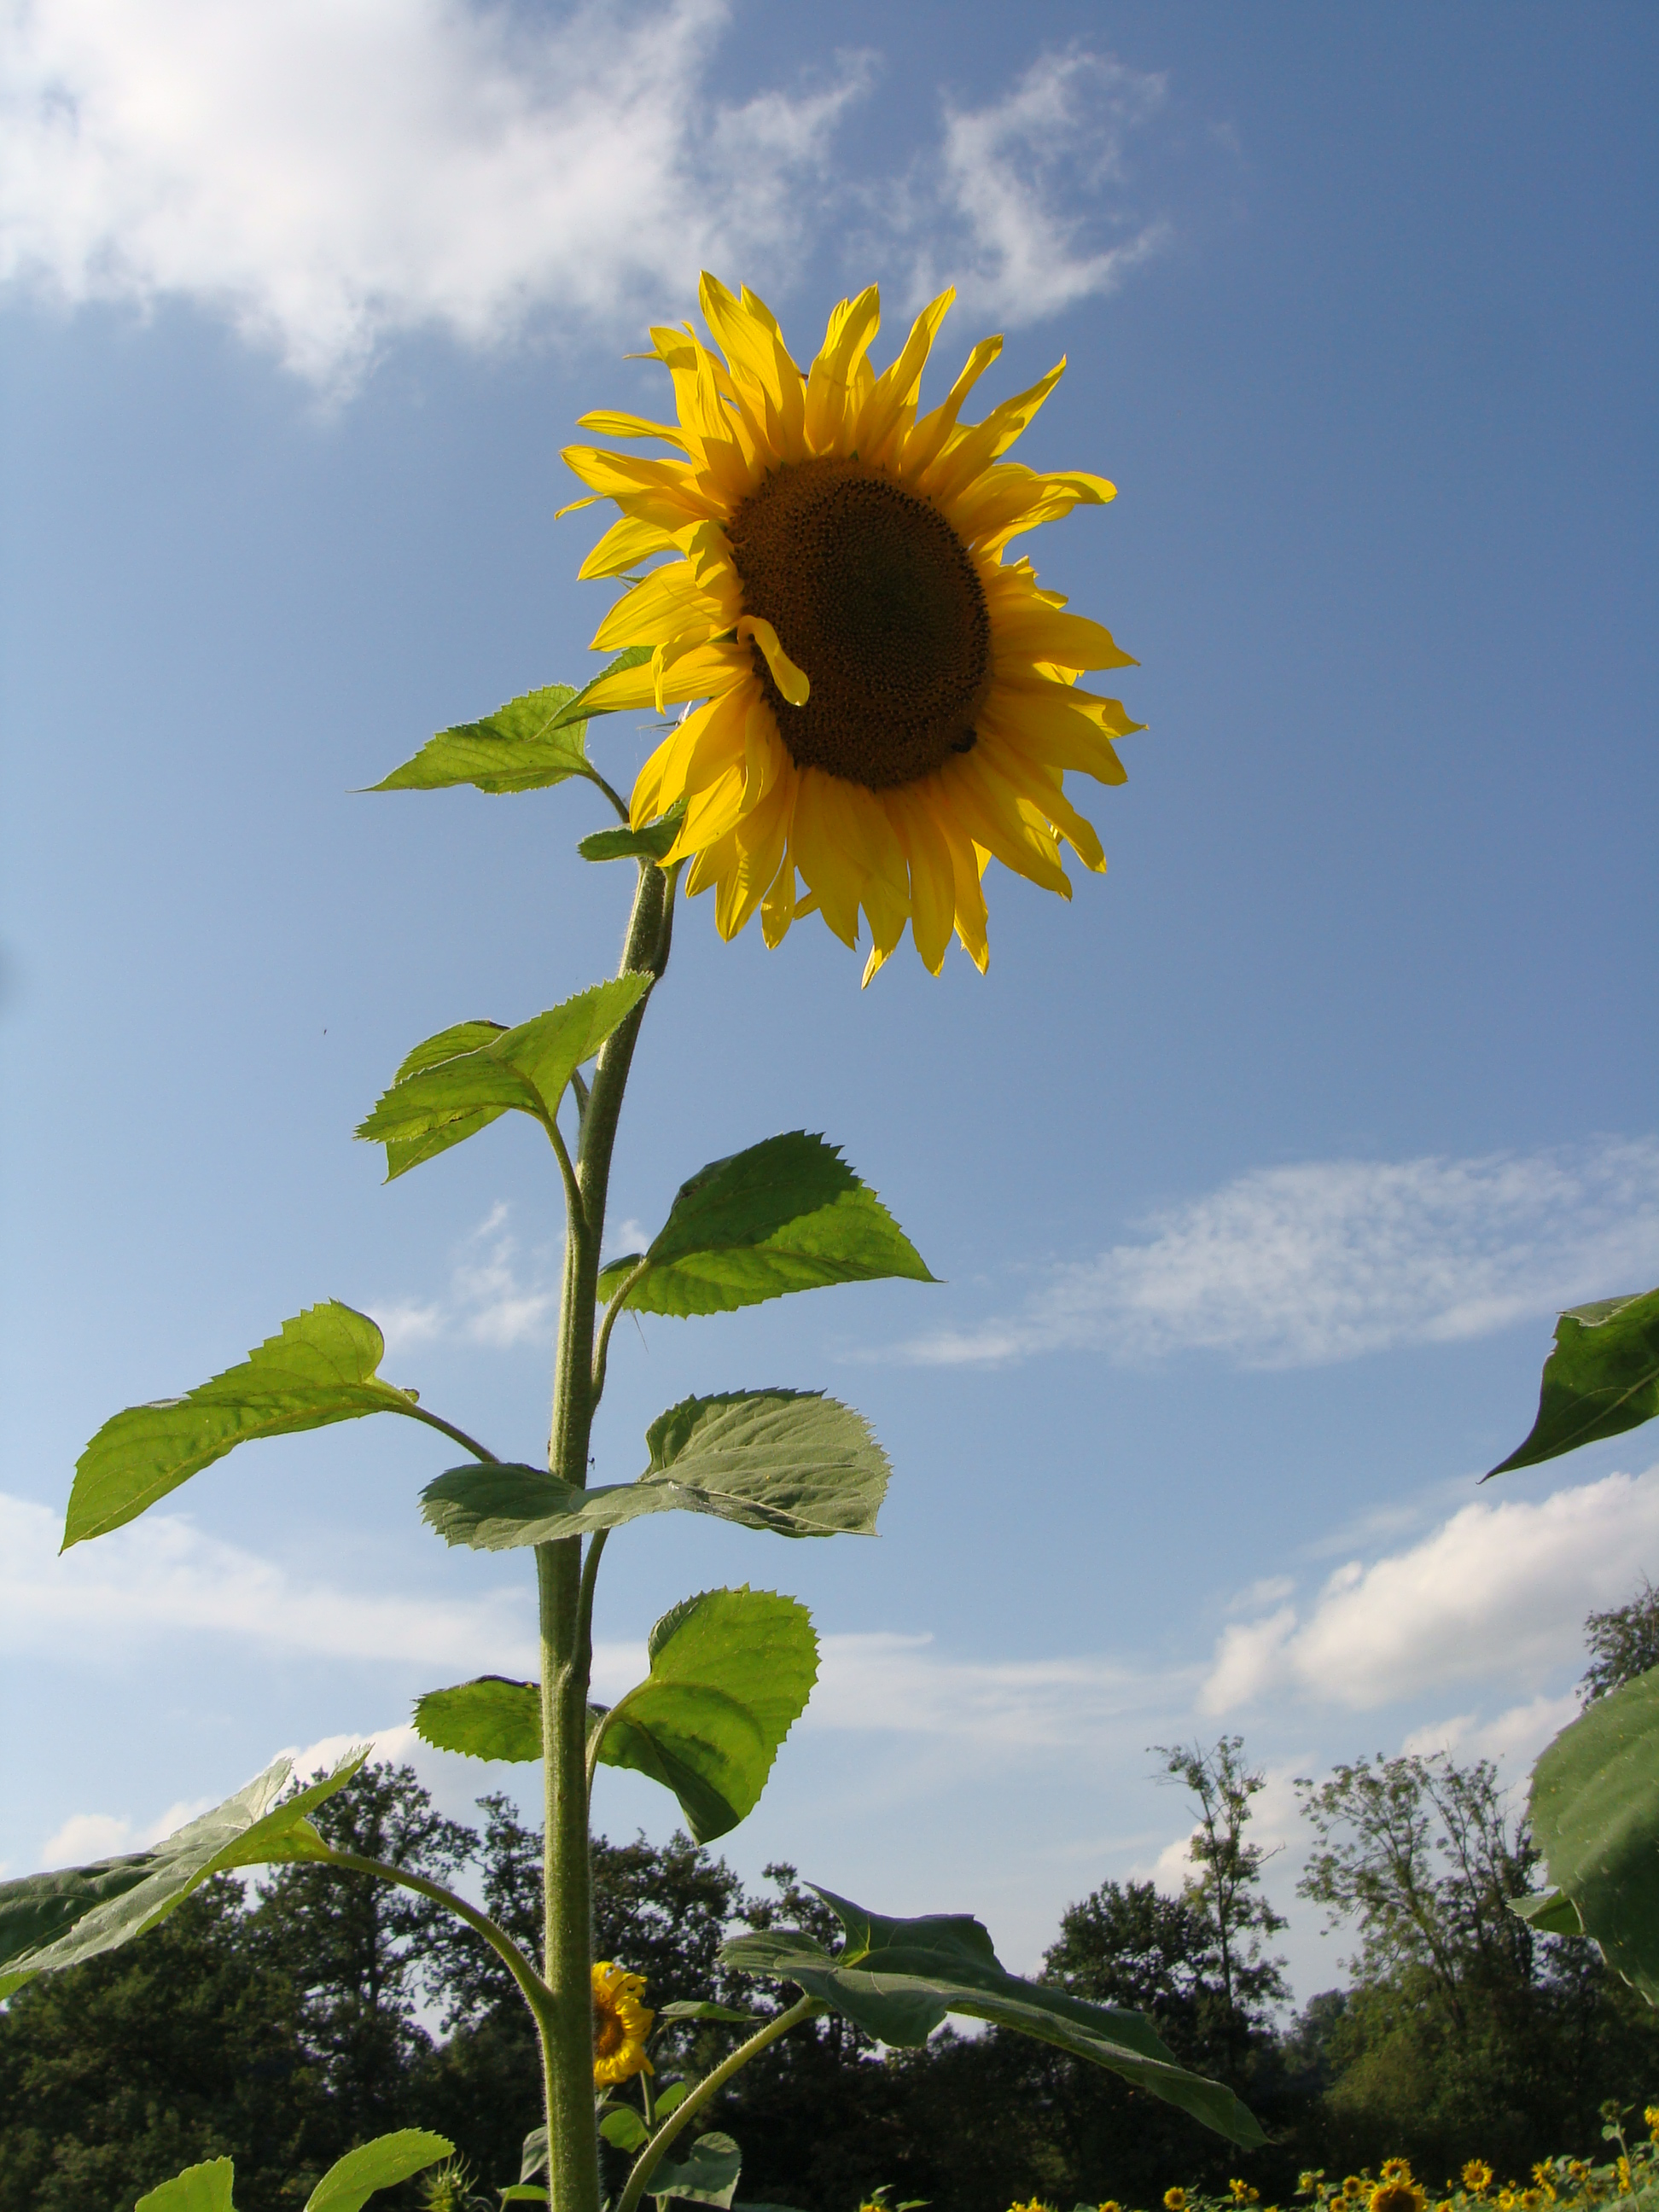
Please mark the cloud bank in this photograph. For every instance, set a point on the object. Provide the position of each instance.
(1298, 1267)
(1498, 1593)
(330, 175)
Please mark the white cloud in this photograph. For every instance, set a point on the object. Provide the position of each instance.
(494, 1299)
(1497, 1593)
(86, 1836)
(1015, 199)
(161, 1577)
(330, 175)
(1298, 1266)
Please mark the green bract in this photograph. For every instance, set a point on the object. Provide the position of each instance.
(1601, 1378)
(786, 1215)
(318, 1367)
(792, 1461)
(50, 1921)
(898, 1979)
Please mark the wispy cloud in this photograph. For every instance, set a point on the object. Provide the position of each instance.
(1025, 203)
(1299, 1265)
(497, 1297)
(162, 1578)
(330, 177)
(1497, 1593)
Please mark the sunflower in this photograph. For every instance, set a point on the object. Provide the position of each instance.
(1398, 2197)
(621, 2024)
(1396, 2169)
(1477, 2177)
(889, 702)
(1174, 2200)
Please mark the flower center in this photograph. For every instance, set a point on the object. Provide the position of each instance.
(609, 2033)
(874, 595)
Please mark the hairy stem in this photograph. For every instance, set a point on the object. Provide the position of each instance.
(710, 2086)
(567, 2030)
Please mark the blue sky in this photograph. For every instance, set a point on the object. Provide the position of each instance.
(1255, 1175)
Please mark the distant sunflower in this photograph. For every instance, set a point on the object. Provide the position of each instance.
(889, 703)
(621, 2025)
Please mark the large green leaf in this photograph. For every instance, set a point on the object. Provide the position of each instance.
(318, 1367)
(1594, 1805)
(798, 1463)
(707, 2174)
(1601, 1378)
(731, 1674)
(205, 2188)
(786, 1215)
(899, 1978)
(438, 1096)
(351, 2181)
(532, 742)
(50, 1921)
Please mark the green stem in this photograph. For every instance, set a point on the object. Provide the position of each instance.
(529, 1981)
(568, 2028)
(449, 1429)
(707, 2088)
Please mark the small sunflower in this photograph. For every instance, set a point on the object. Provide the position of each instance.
(1174, 2200)
(891, 703)
(621, 2025)
(1353, 2188)
(1477, 2177)
(1402, 2196)
(1242, 2193)
(1396, 2169)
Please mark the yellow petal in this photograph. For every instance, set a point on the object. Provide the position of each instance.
(705, 673)
(960, 464)
(926, 440)
(611, 422)
(896, 387)
(967, 867)
(1039, 789)
(1039, 632)
(627, 542)
(853, 326)
(1051, 736)
(832, 875)
(789, 679)
(756, 845)
(987, 807)
(663, 492)
(933, 880)
(667, 602)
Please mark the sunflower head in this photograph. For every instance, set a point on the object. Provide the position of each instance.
(1398, 2196)
(621, 2025)
(1477, 2177)
(889, 702)
(1174, 2200)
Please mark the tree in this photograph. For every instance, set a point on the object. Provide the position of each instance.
(1226, 1889)
(1623, 1642)
(187, 2046)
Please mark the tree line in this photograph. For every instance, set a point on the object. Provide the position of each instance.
(284, 2023)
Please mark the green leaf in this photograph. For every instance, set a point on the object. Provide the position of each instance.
(670, 2099)
(1550, 1911)
(648, 844)
(1595, 1807)
(491, 1718)
(533, 2158)
(796, 1463)
(524, 2192)
(532, 742)
(624, 2130)
(899, 1978)
(444, 1098)
(786, 1215)
(348, 2184)
(50, 1921)
(318, 1367)
(731, 1674)
(1601, 1378)
(203, 2188)
(707, 2174)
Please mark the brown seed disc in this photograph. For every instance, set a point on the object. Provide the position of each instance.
(874, 595)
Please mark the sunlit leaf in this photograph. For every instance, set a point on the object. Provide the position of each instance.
(318, 1367)
(450, 1095)
(788, 1214)
(899, 1978)
(351, 2181)
(206, 2188)
(1595, 1807)
(624, 2129)
(731, 1674)
(1601, 1378)
(525, 745)
(795, 1462)
(50, 1921)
